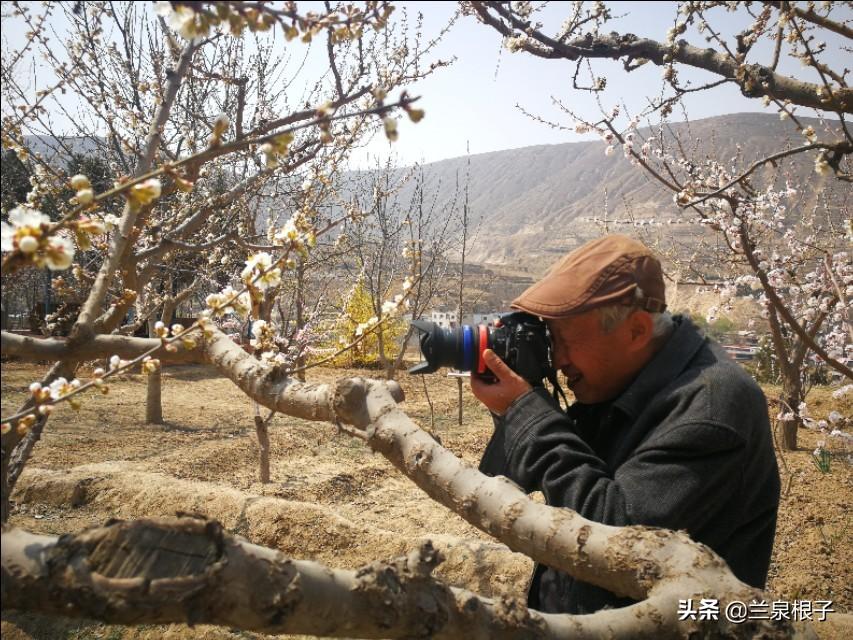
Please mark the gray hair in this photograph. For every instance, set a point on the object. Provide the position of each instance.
(612, 315)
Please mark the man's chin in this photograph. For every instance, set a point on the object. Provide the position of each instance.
(584, 394)
(577, 388)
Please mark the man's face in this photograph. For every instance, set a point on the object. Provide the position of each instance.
(598, 366)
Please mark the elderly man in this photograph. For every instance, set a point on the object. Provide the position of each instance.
(665, 431)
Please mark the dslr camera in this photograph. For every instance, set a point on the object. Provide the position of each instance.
(520, 339)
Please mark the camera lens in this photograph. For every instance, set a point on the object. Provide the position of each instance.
(520, 340)
(459, 348)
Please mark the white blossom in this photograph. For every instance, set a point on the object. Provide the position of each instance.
(228, 301)
(146, 191)
(59, 253)
(259, 272)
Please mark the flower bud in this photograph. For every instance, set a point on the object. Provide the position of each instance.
(25, 423)
(145, 192)
(28, 244)
(160, 329)
(85, 196)
(80, 182)
(390, 129)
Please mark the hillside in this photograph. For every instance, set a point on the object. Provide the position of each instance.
(530, 205)
(531, 202)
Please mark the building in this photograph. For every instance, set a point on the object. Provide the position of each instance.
(444, 319)
(483, 317)
(450, 319)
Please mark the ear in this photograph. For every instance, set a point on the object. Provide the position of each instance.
(640, 326)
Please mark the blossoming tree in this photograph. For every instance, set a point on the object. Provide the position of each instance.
(780, 232)
(189, 569)
(168, 130)
(405, 237)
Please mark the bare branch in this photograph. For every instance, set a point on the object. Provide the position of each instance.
(810, 15)
(754, 80)
(83, 327)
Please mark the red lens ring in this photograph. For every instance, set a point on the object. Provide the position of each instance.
(482, 345)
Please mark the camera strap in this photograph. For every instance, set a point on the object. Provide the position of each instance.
(557, 392)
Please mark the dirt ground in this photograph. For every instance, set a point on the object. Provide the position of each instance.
(333, 500)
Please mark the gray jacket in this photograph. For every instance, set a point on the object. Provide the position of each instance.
(686, 446)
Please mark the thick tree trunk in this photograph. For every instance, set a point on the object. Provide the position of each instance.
(459, 390)
(380, 356)
(154, 389)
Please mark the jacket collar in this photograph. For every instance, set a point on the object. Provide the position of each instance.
(663, 368)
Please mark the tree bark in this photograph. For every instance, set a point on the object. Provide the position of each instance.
(757, 80)
(263, 445)
(101, 346)
(299, 303)
(154, 389)
(459, 390)
(154, 397)
(188, 570)
(560, 538)
(792, 396)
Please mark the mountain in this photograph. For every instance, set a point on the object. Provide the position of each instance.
(538, 202)
(58, 151)
(529, 206)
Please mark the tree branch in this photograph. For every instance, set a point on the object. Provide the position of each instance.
(810, 15)
(650, 562)
(843, 148)
(101, 346)
(790, 320)
(754, 80)
(122, 238)
(189, 570)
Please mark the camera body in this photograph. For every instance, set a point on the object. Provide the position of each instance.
(520, 339)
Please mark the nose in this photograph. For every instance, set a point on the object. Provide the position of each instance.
(560, 355)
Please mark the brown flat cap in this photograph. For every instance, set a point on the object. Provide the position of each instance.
(604, 271)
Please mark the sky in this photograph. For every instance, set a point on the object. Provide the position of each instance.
(475, 105)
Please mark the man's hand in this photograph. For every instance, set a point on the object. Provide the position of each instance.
(498, 396)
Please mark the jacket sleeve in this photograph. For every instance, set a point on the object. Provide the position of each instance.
(672, 480)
